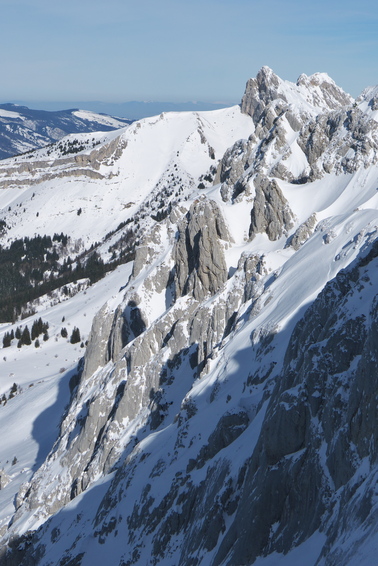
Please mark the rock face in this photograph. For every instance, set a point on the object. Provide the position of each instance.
(271, 212)
(259, 92)
(75, 166)
(200, 268)
(318, 90)
(341, 141)
(313, 441)
(321, 89)
(303, 232)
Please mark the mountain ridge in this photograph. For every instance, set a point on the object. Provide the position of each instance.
(130, 110)
(23, 129)
(224, 411)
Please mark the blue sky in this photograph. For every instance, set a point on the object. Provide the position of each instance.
(120, 50)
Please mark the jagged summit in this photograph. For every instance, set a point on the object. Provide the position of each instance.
(309, 95)
(261, 91)
(323, 91)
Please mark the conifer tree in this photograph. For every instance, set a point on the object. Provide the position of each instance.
(25, 338)
(34, 330)
(7, 340)
(75, 336)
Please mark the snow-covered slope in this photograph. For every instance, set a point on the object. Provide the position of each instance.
(225, 410)
(112, 176)
(23, 129)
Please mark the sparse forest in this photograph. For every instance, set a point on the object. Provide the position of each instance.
(32, 267)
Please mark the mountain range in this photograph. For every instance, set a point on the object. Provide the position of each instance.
(23, 129)
(132, 110)
(199, 386)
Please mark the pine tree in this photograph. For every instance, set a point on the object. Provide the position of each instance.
(34, 330)
(25, 338)
(64, 332)
(7, 340)
(75, 336)
(13, 391)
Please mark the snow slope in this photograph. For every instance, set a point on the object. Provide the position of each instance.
(110, 189)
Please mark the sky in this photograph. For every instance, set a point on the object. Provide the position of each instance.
(176, 50)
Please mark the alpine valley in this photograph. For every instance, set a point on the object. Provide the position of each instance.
(201, 380)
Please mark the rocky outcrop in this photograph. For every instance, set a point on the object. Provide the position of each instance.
(268, 94)
(305, 460)
(303, 232)
(130, 370)
(200, 267)
(232, 167)
(341, 141)
(84, 164)
(271, 212)
(321, 90)
(259, 92)
(4, 479)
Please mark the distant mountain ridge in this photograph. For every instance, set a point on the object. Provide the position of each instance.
(23, 129)
(131, 110)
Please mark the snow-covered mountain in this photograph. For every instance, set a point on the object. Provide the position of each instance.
(224, 412)
(23, 129)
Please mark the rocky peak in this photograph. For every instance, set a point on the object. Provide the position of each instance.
(311, 94)
(368, 98)
(261, 91)
(323, 92)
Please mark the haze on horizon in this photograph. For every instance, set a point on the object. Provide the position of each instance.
(177, 51)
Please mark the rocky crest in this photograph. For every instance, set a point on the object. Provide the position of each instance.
(260, 92)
